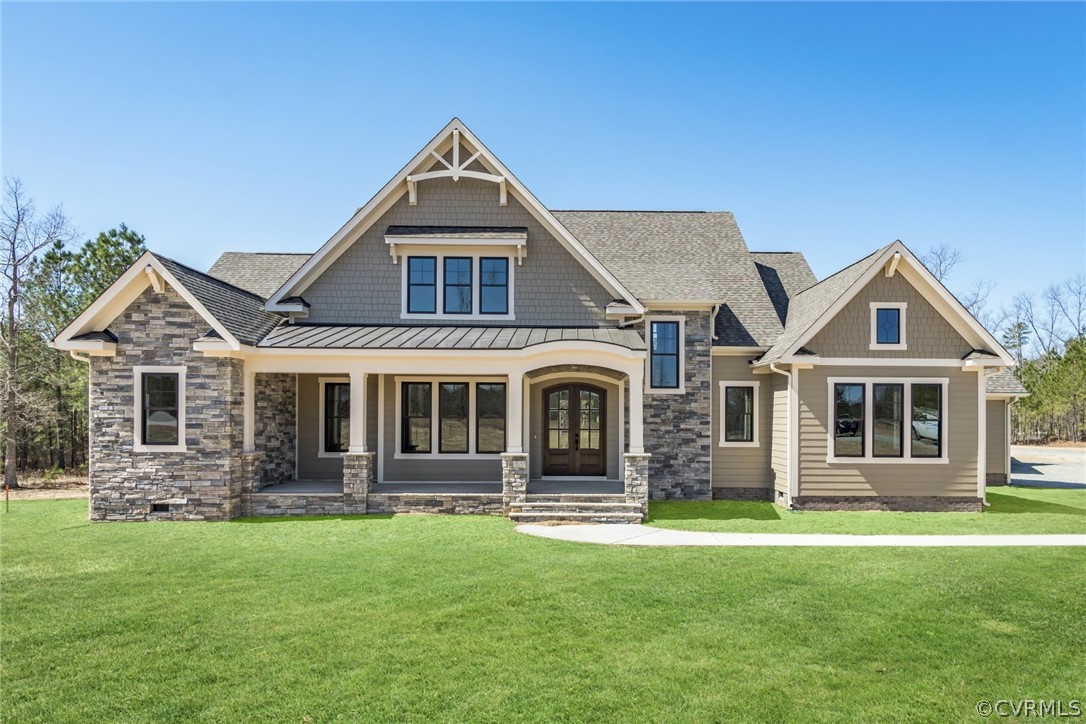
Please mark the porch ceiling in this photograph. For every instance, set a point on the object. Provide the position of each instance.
(300, 336)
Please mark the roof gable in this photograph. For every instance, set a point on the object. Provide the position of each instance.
(813, 308)
(442, 158)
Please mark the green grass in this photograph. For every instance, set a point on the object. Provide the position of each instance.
(460, 618)
(1012, 510)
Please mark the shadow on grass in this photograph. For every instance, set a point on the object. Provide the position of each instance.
(715, 510)
(1003, 503)
(308, 518)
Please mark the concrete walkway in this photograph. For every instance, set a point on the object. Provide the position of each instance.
(645, 535)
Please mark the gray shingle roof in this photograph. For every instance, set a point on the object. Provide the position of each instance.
(682, 256)
(256, 272)
(807, 306)
(439, 337)
(1002, 381)
(784, 275)
(240, 311)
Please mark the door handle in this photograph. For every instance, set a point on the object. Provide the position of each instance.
(577, 441)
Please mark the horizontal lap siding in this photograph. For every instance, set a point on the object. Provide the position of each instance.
(955, 478)
(439, 469)
(537, 414)
(996, 446)
(779, 445)
(742, 467)
(310, 465)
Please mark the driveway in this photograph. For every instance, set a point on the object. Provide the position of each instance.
(1034, 466)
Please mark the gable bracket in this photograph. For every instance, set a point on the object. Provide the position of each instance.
(455, 171)
(891, 267)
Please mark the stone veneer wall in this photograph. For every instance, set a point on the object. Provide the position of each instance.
(203, 483)
(907, 503)
(276, 425)
(678, 426)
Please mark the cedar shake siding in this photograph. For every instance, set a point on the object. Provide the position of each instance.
(927, 334)
(363, 286)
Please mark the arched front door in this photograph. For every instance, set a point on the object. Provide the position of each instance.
(574, 430)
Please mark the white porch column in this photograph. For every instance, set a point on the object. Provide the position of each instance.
(358, 413)
(637, 408)
(515, 433)
(248, 442)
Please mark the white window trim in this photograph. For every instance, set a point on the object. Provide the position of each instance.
(902, 308)
(137, 412)
(724, 385)
(439, 286)
(435, 422)
(681, 389)
(322, 382)
(869, 421)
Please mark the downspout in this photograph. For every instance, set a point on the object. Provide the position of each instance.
(627, 322)
(788, 438)
(712, 321)
(75, 356)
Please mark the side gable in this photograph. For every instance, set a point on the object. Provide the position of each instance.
(928, 334)
(426, 169)
(815, 309)
(236, 316)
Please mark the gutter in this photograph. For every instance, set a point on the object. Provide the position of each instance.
(788, 449)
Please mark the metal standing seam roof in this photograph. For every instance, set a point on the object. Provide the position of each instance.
(301, 336)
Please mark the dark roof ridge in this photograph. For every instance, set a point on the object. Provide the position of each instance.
(272, 253)
(161, 257)
(636, 211)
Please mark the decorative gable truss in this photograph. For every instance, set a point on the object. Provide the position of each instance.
(454, 153)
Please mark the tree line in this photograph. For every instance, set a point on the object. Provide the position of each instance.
(50, 277)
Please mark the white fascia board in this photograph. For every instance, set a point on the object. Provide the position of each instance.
(665, 305)
(121, 293)
(932, 290)
(736, 351)
(366, 216)
(89, 347)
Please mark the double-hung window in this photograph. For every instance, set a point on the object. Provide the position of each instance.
(738, 414)
(452, 286)
(160, 409)
(887, 420)
(336, 419)
(451, 417)
(665, 363)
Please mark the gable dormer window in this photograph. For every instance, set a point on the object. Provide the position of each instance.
(458, 296)
(888, 325)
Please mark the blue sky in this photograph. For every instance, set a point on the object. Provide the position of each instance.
(828, 128)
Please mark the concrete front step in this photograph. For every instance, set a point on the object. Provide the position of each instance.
(570, 505)
(575, 498)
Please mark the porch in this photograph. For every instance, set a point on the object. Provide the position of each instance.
(350, 434)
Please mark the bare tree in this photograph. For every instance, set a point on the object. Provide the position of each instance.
(23, 233)
(1070, 298)
(941, 260)
(1043, 318)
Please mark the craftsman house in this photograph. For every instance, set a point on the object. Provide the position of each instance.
(458, 347)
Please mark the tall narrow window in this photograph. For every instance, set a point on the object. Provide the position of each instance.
(490, 417)
(337, 416)
(887, 420)
(160, 408)
(888, 326)
(452, 405)
(664, 355)
(739, 414)
(848, 413)
(927, 421)
(422, 285)
(416, 407)
(493, 285)
(457, 285)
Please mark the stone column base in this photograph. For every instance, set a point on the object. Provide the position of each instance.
(251, 463)
(636, 478)
(514, 479)
(357, 481)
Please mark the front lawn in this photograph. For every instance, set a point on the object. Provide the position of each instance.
(460, 618)
(1012, 510)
